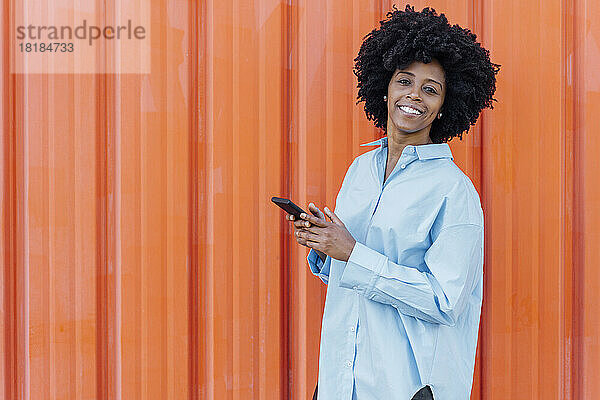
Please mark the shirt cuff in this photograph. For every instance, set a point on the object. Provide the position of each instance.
(362, 269)
(316, 266)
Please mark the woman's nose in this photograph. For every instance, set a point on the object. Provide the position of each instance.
(413, 97)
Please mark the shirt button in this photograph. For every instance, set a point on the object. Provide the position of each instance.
(403, 166)
(355, 287)
(348, 364)
(352, 329)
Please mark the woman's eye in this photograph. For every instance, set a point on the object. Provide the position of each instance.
(428, 89)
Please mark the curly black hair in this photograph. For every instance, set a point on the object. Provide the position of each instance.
(408, 36)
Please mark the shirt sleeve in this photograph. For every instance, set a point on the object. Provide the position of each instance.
(454, 264)
(318, 267)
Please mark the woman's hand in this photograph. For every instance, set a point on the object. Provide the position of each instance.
(331, 238)
(300, 224)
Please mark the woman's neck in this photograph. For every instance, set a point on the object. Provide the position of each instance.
(397, 142)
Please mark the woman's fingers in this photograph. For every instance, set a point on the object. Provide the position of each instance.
(334, 218)
(297, 223)
(304, 231)
(305, 234)
(313, 229)
(308, 239)
(307, 220)
(314, 220)
(315, 210)
(302, 224)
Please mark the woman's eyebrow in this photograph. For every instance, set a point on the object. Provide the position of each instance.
(410, 73)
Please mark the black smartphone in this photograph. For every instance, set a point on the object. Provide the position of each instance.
(288, 206)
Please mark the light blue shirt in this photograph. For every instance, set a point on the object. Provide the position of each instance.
(403, 311)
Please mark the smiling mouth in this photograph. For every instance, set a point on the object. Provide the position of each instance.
(407, 110)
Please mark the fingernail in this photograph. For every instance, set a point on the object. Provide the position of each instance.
(326, 209)
(302, 215)
(307, 224)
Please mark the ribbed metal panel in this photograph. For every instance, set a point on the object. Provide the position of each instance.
(142, 259)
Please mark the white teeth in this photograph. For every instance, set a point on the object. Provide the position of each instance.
(410, 110)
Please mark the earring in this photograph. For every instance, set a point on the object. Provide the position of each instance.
(384, 98)
(439, 115)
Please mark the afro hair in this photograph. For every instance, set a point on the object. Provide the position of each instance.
(408, 36)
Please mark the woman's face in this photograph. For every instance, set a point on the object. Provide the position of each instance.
(415, 97)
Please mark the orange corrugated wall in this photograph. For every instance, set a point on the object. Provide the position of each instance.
(141, 256)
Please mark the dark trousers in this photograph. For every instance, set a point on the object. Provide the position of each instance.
(424, 394)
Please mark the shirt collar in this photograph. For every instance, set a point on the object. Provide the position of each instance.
(424, 151)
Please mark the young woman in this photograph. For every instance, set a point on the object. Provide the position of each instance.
(402, 254)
